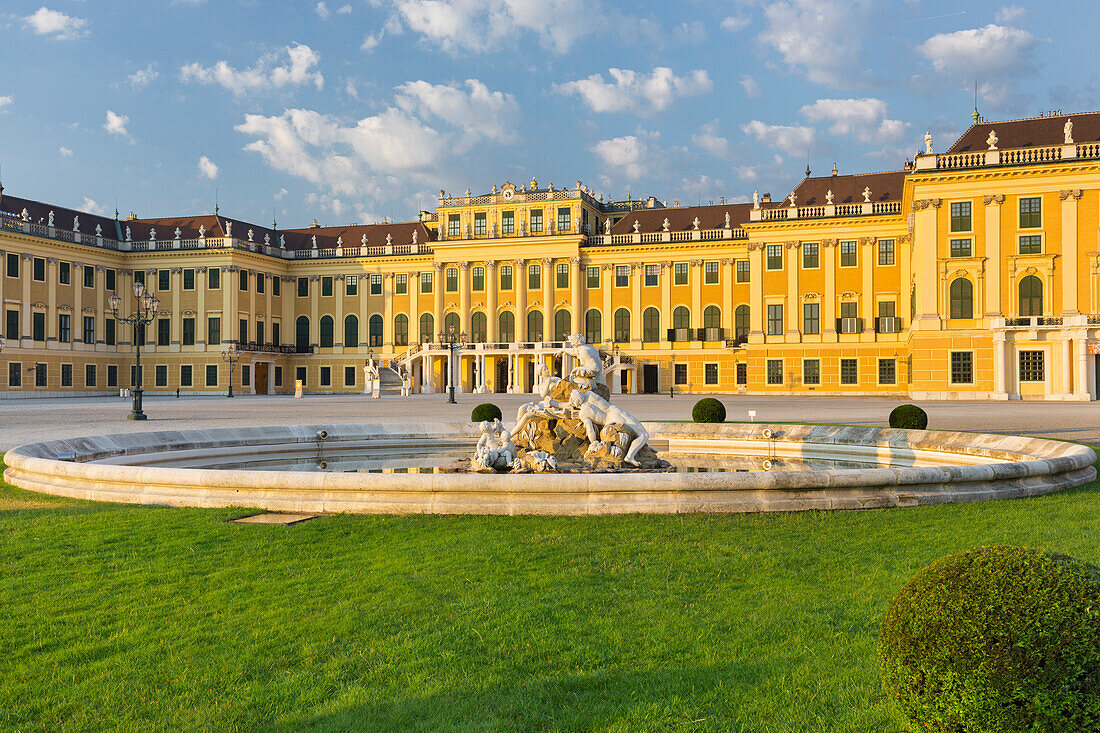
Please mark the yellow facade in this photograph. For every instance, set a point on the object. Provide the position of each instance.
(971, 274)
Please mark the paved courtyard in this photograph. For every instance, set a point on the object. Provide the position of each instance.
(30, 420)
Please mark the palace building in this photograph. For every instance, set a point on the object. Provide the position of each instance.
(969, 274)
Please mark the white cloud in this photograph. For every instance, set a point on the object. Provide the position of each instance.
(735, 23)
(752, 89)
(820, 38)
(6, 101)
(207, 168)
(350, 89)
(116, 124)
(322, 10)
(262, 75)
(478, 111)
(864, 119)
(635, 92)
(65, 152)
(343, 10)
(709, 139)
(1009, 14)
(46, 22)
(371, 40)
(486, 25)
(282, 192)
(995, 54)
(92, 207)
(791, 139)
(142, 77)
(628, 155)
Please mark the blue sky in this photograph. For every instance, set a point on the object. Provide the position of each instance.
(352, 110)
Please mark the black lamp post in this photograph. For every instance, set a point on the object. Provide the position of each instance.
(452, 342)
(143, 315)
(231, 356)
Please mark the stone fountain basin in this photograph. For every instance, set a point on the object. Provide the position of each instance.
(918, 467)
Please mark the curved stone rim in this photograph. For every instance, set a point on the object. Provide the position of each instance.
(997, 466)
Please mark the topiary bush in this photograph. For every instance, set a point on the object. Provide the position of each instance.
(908, 417)
(997, 639)
(708, 409)
(486, 411)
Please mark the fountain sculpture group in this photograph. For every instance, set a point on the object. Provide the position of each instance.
(572, 428)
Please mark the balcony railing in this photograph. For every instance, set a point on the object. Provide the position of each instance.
(866, 208)
(888, 324)
(258, 348)
(1013, 156)
(849, 325)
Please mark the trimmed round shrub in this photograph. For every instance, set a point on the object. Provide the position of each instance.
(908, 417)
(997, 639)
(708, 409)
(486, 411)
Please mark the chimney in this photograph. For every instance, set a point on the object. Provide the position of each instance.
(834, 170)
(766, 198)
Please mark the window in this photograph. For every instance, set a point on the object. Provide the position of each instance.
(562, 275)
(741, 373)
(211, 375)
(477, 276)
(278, 376)
(326, 286)
(652, 275)
(962, 298)
(112, 375)
(214, 278)
(1032, 367)
(508, 222)
(351, 285)
(1031, 245)
(775, 319)
(775, 371)
(680, 274)
(887, 371)
(38, 326)
(452, 279)
(303, 287)
(242, 335)
(401, 283)
(109, 332)
(563, 219)
(479, 224)
(89, 375)
(506, 327)
(848, 254)
(276, 285)
(887, 317)
(1031, 212)
(214, 330)
(189, 278)
(139, 334)
(886, 252)
(710, 273)
(64, 328)
(962, 367)
(139, 276)
(243, 280)
(536, 221)
(300, 375)
(164, 280)
(681, 324)
(741, 321)
(109, 278)
(64, 273)
(811, 318)
(622, 325)
(301, 334)
(38, 269)
(327, 337)
(275, 335)
(11, 327)
(66, 375)
(454, 226)
(160, 376)
(351, 331)
(622, 276)
(39, 375)
(89, 276)
(742, 271)
(326, 376)
(187, 375)
(259, 332)
(1031, 296)
(534, 277)
(593, 326)
(506, 277)
(478, 327)
(651, 325)
(426, 282)
(849, 371)
(534, 326)
(811, 255)
(12, 265)
(960, 248)
(960, 216)
(710, 373)
(246, 376)
(775, 256)
(811, 371)
(849, 309)
(88, 336)
(349, 376)
(427, 328)
(260, 282)
(374, 330)
(164, 333)
(400, 330)
(15, 374)
(680, 374)
(712, 323)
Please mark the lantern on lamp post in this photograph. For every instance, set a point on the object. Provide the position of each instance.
(145, 312)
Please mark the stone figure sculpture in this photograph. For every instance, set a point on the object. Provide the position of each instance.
(727, 220)
(50, 219)
(756, 199)
(249, 235)
(1067, 132)
(867, 194)
(596, 412)
(228, 228)
(928, 142)
(829, 197)
(202, 231)
(606, 226)
(76, 223)
(991, 141)
(128, 234)
(98, 230)
(178, 233)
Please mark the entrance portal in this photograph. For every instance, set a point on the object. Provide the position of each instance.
(502, 376)
(649, 379)
(260, 378)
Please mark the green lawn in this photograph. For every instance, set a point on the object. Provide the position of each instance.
(117, 617)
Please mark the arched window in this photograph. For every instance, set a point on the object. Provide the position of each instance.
(451, 322)
(326, 332)
(374, 328)
(477, 328)
(592, 327)
(301, 334)
(681, 317)
(651, 325)
(962, 298)
(1031, 296)
(534, 326)
(741, 321)
(427, 327)
(561, 325)
(712, 323)
(506, 327)
(351, 331)
(400, 330)
(622, 325)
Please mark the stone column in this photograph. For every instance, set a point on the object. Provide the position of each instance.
(315, 311)
(176, 324)
(464, 301)
(578, 306)
(51, 302)
(490, 301)
(1083, 388)
(519, 278)
(756, 293)
(993, 254)
(413, 279)
(729, 279)
(25, 264)
(229, 313)
(547, 299)
(339, 288)
(288, 327)
(1067, 367)
(78, 309)
(828, 301)
(437, 292)
(790, 312)
(696, 317)
(387, 313)
(251, 316)
(665, 283)
(607, 317)
(867, 297)
(926, 244)
(636, 274)
(269, 321)
(1070, 264)
(1000, 366)
(200, 312)
(101, 307)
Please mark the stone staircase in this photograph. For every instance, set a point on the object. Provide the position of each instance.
(389, 382)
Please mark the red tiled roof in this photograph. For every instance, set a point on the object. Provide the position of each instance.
(682, 218)
(62, 217)
(848, 189)
(1031, 132)
(400, 232)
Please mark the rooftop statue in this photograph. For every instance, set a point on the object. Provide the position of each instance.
(50, 219)
(928, 142)
(76, 223)
(98, 230)
(1067, 132)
